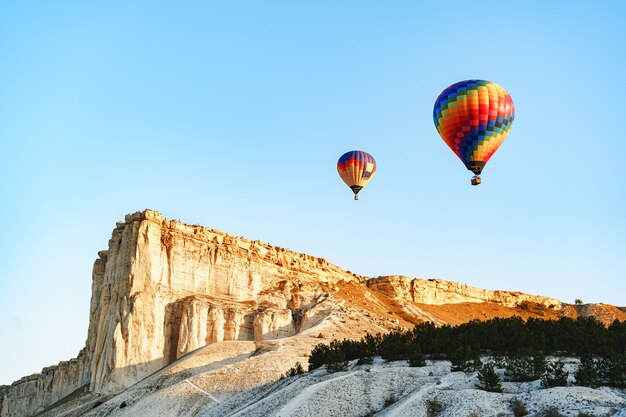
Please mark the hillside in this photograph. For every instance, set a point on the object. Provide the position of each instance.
(394, 389)
(184, 317)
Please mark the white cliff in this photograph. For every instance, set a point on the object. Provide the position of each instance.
(438, 292)
(164, 289)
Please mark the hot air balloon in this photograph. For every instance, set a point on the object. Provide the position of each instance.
(356, 169)
(474, 117)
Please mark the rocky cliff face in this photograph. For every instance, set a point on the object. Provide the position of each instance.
(438, 292)
(164, 289)
(33, 393)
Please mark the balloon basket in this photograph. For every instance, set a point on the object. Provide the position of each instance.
(356, 197)
(476, 180)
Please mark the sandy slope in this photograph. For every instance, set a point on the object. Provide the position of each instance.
(381, 389)
(394, 389)
(239, 378)
(218, 371)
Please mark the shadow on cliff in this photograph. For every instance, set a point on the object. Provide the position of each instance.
(171, 330)
(173, 319)
(159, 383)
(82, 400)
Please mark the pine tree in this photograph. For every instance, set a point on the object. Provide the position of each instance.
(587, 374)
(613, 370)
(337, 366)
(539, 364)
(336, 358)
(393, 346)
(489, 379)
(296, 370)
(555, 375)
(526, 366)
(474, 364)
(465, 359)
(416, 357)
(457, 359)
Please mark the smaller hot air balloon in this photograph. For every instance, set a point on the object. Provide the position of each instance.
(356, 169)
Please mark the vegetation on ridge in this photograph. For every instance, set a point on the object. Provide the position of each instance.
(524, 344)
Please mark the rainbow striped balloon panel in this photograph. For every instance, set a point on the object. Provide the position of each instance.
(474, 117)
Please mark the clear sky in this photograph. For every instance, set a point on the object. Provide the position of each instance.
(233, 115)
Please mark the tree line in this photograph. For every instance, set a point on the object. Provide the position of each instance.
(516, 345)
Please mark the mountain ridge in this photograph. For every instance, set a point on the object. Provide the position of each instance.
(164, 289)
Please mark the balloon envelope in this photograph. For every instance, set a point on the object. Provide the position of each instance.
(474, 117)
(356, 169)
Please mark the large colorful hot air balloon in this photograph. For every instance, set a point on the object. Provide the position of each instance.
(356, 169)
(474, 117)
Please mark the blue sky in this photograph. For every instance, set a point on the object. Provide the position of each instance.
(233, 115)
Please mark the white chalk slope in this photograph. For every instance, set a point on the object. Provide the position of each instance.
(395, 389)
(225, 379)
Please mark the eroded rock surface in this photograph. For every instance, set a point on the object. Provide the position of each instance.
(164, 289)
(438, 292)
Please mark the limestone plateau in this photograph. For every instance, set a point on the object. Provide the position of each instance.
(184, 317)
